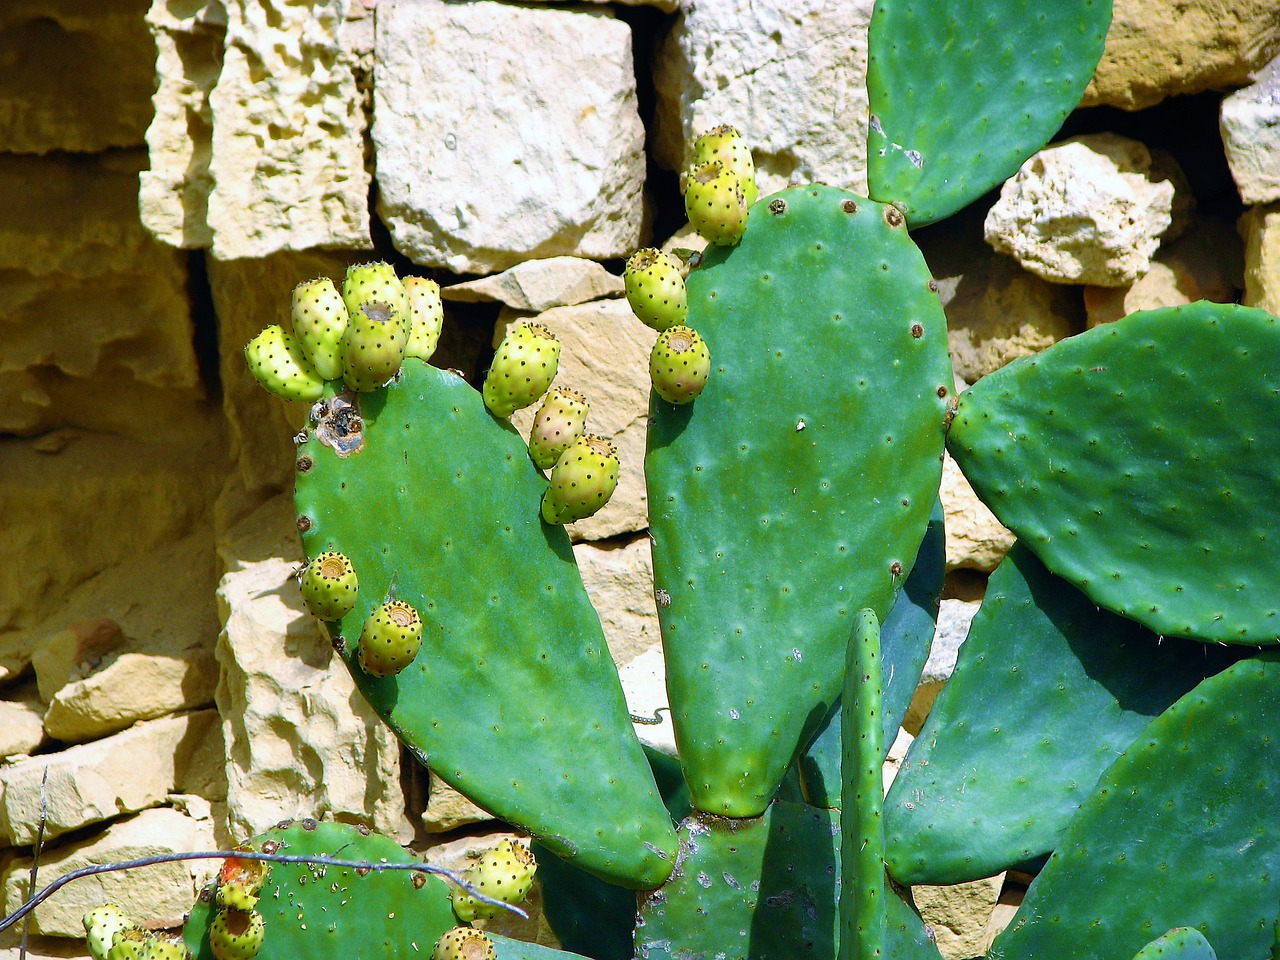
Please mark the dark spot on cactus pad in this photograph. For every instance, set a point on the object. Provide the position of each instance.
(893, 216)
(284, 824)
(419, 880)
(304, 523)
(777, 206)
(305, 464)
(895, 568)
(917, 330)
(933, 286)
(942, 391)
(363, 829)
(270, 846)
(338, 424)
(849, 206)
(309, 824)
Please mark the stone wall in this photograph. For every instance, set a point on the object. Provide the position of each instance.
(169, 170)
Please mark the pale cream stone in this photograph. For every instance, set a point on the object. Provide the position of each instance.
(959, 914)
(618, 575)
(1250, 124)
(790, 76)
(21, 722)
(98, 781)
(536, 285)
(976, 540)
(158, 897)
(447, 809)
(505, 132)
(1261, 229)
(644, 683)
(954, 618)
(604, 354)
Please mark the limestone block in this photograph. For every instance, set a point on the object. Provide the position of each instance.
(789, 75)
(958, 914)
(618, 575)
(1250, 124)
(644, 682)
(976, 540)
(1162, 48)
(604, 355)
(954, 618)
(75, 75)
(506, 132)
(98, 781)
(300, 739)
(158, 897)
(97, 323)
(537, 285)
(1261, 229)
(21, 722)
(447, 809)
(1087, 210)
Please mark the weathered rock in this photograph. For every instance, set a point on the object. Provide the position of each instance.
(537, 285)
(1083, 211)
(1250, 124)
(506, 132)
(21, 721)
(976, 540)
(605, 356)
(1260, 227)
(1163, 48)
(447, 809)
(97, 324)
(98, 781)
(958, 915)
(158, 897)
(618, 575)
(954, 617)
(644, 682)
(789, 75)
(104, 101)
(300, 739)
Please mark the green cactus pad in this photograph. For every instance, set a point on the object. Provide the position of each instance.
(1048, 678)
(905, 638)
(962, 93)
(1179, 832)
(1138, 460)
(513, 698)
(318, 911)
(1180, 943)
(765, 889)
(507, 949)
(796, 489)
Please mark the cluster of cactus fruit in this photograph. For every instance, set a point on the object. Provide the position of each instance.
(1110, 721)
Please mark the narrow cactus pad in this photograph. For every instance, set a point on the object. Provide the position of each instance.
(506, 948)
(1180, 943)
(962, 93)
(513, 698)
(764, 889)
(1138, 460)
(1049, 679)
(796, 488)
(320, 911)
(1179, 832)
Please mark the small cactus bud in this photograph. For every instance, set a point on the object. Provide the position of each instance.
(237, 934)
(101, 924)
(715, 204)
(329, 586)
(374, 281)
(390, 639)
(504, 873)
(464, 943)
(561, 419)
(523, 367)
(319, 320)
(679, 364)
(582, 481)
(655, 289)
(164, 948)
(373, 346)
(240, 881)
(426, 316)
(277, 362)
(725, 144)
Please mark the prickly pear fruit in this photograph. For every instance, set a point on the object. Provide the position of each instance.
(329, 586)
(504, 873)
(561, 419)
(714, 203)
(523, 368)
(373, 346)
(319, 320)
(679, 364)
(164, 948)
(426, 316)
(374, 281)
(128, 944)
(464, 943)
(725, 144)
(237, 934)
(655, 288)
(390, 639)
(277, 362)
(101, 924)
(582, 481)
(240, 881)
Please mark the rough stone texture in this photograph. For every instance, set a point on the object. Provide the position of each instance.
(41, 948)
(644, 682)
(300, 739)
(21, 721)
(1250, 124)
(976, 540)
(98, 781)
(158, 896)
(1205, 263)
(74, 75)
(505, 132)
(1162, 48)
(447, 809)
(537, 285)
(604, 355)
(618, 575)
(959, 914)
(1088, 210)
(1260, 227)
(954, 617)
(789, 75)
(94, 306)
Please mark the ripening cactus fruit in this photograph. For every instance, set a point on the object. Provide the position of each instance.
(277, 362)
(102, 924)
(725, 144)
(329, 586)
(655, 288)
(715, 203)
(239, 883)
(679, 364)
(582, 481)
(374, 281)
(464, 943)
(128, 944)
(390, 639)
(164, 948)
(237, 934)
(504, 873)
(319, 320)
(560, 420)
(523, 367)
(374, 345)
(426, 316)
